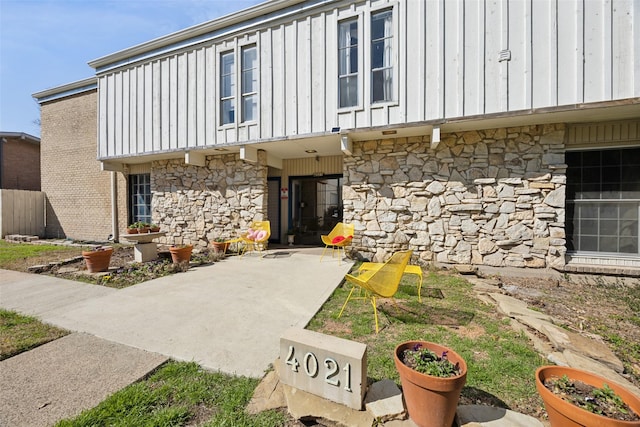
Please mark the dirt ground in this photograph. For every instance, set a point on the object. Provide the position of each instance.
(602, 307)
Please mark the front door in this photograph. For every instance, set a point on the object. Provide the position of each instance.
(315, 207)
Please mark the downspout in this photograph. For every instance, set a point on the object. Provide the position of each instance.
(114, 207)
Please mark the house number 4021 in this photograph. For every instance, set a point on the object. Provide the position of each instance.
(312, 366)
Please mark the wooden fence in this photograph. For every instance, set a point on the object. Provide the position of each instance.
(22, 212)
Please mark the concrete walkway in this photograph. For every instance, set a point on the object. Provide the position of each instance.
(227, 316)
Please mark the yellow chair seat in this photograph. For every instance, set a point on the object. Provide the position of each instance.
(409, 269)
(340, 229)
(379, 282)
(256, 244)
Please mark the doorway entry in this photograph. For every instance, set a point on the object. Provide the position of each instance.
(315, 206)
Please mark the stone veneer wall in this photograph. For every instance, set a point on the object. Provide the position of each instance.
(198, 204)
(490, 197)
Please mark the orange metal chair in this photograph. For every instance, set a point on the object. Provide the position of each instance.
(382, 282)
(257, 237)
(339, 238)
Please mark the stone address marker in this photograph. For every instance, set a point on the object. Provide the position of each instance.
(330, 367)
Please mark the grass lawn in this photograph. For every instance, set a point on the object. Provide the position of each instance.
(21, 333)
(501, 361)
(179, 394)
(19, 256)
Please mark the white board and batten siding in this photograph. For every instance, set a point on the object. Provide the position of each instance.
(451, 59)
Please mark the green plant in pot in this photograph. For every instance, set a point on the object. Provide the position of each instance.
(432, 377)
(575, 398)
(220, 245)
(132, 228)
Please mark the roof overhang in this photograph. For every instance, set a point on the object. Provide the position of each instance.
(220, 27)
(20, 135)
(65, 90)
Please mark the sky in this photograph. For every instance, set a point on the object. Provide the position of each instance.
(48, 43)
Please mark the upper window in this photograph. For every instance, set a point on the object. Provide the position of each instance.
(348, 63)
(382, 56)
(227, 88)
(249, 83)
(244, 77)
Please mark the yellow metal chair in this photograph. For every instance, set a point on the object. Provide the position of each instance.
(382, 282)
(257, 237)
(339, 238)
(409, 269)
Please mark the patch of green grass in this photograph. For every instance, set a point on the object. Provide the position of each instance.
(15, 256)
(179, 394)
(501, 362)
(21, 333)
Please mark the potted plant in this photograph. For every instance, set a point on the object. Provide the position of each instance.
(574, 397)
(132, 228)
(291, 236)
(154, 228)
(220, 245)
(180, 253)
(98, 259)
(432, 377)
(143, 227)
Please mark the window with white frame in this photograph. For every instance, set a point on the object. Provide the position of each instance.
(249, 83)
(140, 198)
(227, 88)
(603, 201)
(348, 63)
(382, 56)
(245, 77)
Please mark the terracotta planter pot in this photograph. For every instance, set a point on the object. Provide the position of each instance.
(142, 230)
(180, 254)
(220, 247)
(431, 401)
(132, 231)
(565, 414)
(99, 260)
(154, 229)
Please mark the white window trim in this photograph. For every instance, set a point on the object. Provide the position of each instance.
(219, 53)
(236, 47)
(362, 48)
(393, 7)
(240, 118)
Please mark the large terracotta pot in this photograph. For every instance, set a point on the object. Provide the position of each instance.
(220, 247)
(98, 260)
(180, 253)
(431, 401)
(564, 414)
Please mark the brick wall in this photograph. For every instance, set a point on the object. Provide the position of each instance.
(78, 192)
(20, 165)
